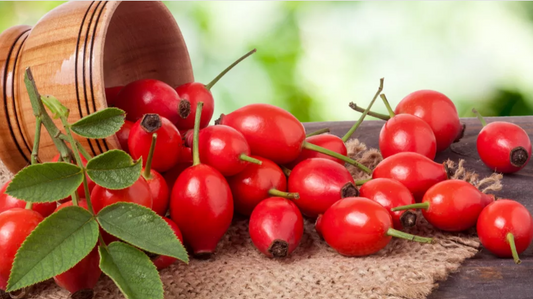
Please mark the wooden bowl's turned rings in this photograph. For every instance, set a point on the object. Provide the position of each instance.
(75, 51)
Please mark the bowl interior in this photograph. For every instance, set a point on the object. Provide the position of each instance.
(143, 41)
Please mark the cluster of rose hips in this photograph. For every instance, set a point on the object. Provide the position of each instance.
(257, 161)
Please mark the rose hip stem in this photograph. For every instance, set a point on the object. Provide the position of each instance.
(386, 102)
(480, 117)
(371, 113)
(362, 117)
(510, 239)
(147, 169)
(224, 72)
(328, 152)
(318, 132)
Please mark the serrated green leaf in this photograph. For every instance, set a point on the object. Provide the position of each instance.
(131, 270)
(101, 124)
(47, 182)
(57, 244)
(114, 169)
(142, 228)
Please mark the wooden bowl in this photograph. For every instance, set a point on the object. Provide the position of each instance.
(75, 52)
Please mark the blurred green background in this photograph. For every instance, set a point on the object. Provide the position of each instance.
(315, 57)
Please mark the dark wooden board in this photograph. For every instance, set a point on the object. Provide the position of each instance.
(484, 276)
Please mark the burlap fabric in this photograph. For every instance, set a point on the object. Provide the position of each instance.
(402, 270)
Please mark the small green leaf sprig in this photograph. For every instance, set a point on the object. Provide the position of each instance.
(67, 236)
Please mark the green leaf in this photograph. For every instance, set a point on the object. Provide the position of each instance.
(101, 124)
(114, 169)
(47, 182)
(142, 228)
(57, 244)
(131, 270)
(55, 106)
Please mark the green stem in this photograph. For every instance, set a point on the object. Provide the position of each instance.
(386, 102)
(286, 170)
(480, 117)
(361, 182)
(399, 234)
(224, 72)
(247, 158)
(371, 113)
(147, 169)
(77, 156)
(39, 110)
(510, 239)
(196, 132)
(318, 132)
(420, 205)
(289, 195)
(75, 198)
(37, 140)
(102, 242)
(83, 151)
(362, 117)
(331, 153)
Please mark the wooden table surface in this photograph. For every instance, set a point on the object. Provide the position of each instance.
(483, 276)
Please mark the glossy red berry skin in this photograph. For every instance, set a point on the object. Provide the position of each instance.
(415, 171)
(356, 226)
(328, 141)
(85, 274)
(111, 94)
(250, 186)
(276, 227)
(220, 147)
(390, 194)
(160, 192)
(500, 218)
(320, 183)
(271, 132)
(163, 261)
(15, 225)
(407, 133)
(194, 93)
(138, 193)
(454, 205)
(438, 111)
(124, 134)
(202, 206)
(148, 96)
(172, 175)
(166, 154)
(8, 202)
(81, 203)
(81, 189)
(495, 144)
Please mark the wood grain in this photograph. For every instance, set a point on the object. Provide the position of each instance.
(484, 276)
(75, 52)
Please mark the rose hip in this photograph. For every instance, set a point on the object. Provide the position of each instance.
(391, 194)
(452, 205)
(256, 183)
(320, 183)
(505, 228)
(503, 146)
(357, 226)
(328, 141)
(201, 203)
(15, 225)
(276, 227)
(169, 141)
(438, 111)
(415, 171)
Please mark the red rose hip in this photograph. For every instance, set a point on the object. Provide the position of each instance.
(505, 228)
(276, 227)
(320, 183)
(358, 226)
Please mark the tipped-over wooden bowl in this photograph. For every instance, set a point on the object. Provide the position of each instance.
(75, 52)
